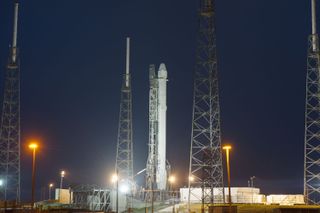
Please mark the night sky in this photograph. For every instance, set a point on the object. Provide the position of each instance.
(72, 61)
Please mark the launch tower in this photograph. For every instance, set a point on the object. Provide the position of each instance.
(312, 118)
(205, 170)
(10, 123)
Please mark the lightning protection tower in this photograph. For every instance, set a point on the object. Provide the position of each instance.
(205, 170)
(124, 159)
(312, 118)
(10, 123)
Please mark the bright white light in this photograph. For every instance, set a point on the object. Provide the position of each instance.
(1, 182)
(124, 188)
(114, 178)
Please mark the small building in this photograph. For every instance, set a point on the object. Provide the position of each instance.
(285, 200)
(241, 195)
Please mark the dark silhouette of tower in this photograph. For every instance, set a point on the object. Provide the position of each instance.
(206, 169)
(10, 123)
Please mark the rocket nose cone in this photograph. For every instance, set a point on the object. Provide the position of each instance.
(162, 67)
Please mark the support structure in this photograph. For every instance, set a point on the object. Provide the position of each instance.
(10, 123)
(312, 118)
(153, 137)
(124, 158)
(205, 170)
(91, 198)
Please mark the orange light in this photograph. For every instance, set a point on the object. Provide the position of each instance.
(51, 185)
(33, 146)
(226, 147)
(191, 178)
(62, 173)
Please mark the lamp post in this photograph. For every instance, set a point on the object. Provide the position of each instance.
(191, 179)
(62, 174)
(50, 187)
(172, 180)
(227, 148)
(251, 179)
(115, 180)
(33, 146)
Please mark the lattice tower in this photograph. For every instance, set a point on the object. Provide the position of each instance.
(312, 118)
(10, 124)
(124, 159)
(205, 170)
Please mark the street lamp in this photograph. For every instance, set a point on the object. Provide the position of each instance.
(50, 187)
(191, 179)
(115, 180)
(227, 148)
(172, 180)
(33, 146)
(251, 180)
(62, 174)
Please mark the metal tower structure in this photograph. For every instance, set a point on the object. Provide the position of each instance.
(205, 169)
(124, 159)
(153, 137)
(10, 123)
(312, 117)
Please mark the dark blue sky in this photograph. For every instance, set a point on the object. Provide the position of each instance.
(73, 57)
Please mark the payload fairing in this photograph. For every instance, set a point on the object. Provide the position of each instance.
(156, 164)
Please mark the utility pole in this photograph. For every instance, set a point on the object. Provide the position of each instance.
(10, 122)
(205, 169)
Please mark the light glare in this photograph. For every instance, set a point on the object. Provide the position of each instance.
(33, 146)
(124, 188)
(114, 178)
(172, 179)
(226, 147)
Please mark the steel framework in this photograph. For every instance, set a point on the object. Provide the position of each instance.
(91, 197)
(124, 158)
(205, 170)
(153, 137)
(10, 124)
(312, 118)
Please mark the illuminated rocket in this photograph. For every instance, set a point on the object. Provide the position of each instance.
(156, 164)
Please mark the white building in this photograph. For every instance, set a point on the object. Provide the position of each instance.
(245, 195)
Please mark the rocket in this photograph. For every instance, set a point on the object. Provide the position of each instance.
(161, 175)
(156, 165)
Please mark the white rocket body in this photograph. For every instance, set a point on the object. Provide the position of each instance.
(161, 172)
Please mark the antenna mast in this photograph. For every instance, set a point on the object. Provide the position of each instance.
(314, 25)
(128, 62)
(15, 32)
